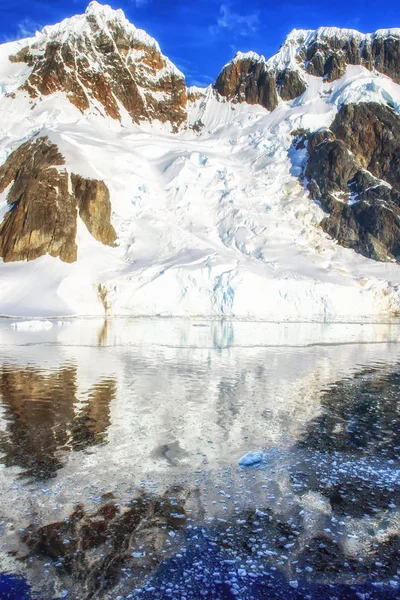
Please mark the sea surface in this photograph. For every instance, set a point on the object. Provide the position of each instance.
(181, 459)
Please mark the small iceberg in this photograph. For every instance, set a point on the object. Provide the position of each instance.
(35, 325)
(251, 458)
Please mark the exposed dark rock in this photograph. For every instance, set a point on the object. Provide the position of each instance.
(290, 84)
(42, 217)
(194, 95)
(108, 66)
(335, 67)
(329, 52)
(352, 52)
(370, 229)
(331, 166)
(317, 137)
(43, 212)
(248, 80)
(365, 186)
(316, 58)
(385, 53)
(372, 132)
(325, 54)
(353, 170)
(93, 200)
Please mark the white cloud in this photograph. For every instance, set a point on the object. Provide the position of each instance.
(232, 21)
(27, 28)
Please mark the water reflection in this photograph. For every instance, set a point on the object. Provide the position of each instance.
(357, 440)
(44, 418)
(138, 427)
(95, 547)
(173, 545)
(360, 415)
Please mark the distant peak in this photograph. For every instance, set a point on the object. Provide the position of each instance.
(307, 36)
(298, 35)
(103, 10)
(253, 56)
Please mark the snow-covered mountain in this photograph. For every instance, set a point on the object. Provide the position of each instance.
(272, 194)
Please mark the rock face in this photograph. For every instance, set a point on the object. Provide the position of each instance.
(353, 171)
(290, 84)
(247, 79)
(100, 59)
(372, 133)
(327, 51)
(42, 218)
(44, 202)
(93, 200)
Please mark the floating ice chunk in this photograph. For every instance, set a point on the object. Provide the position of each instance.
(32, 325)
(251, 458)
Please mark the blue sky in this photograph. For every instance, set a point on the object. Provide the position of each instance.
(201, 36)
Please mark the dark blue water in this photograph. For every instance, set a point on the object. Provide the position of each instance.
(13, 587)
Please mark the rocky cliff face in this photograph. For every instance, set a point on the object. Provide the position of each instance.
(353, 170)
(247, 79)
(290, 84)
(100, 59)
(44, 202)
(372, 133)
(325, 53)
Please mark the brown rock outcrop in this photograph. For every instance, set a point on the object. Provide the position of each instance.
(330, 50)
(105, 61)
(372, 133)
(353, 171)
(327, 51)
(385, 54)
(43, 212)
(93, 201)
(42, 217)
(290, 84)
(248, 79)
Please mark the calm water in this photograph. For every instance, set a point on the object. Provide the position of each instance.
(120, 444)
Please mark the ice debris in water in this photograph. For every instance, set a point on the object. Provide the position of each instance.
(34, 325)
(251, 458)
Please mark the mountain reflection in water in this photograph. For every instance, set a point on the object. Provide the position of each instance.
(44, 417)
(120, 445)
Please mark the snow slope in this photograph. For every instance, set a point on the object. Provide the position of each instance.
(210, 223)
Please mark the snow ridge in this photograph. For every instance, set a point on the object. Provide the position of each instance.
(298, 40)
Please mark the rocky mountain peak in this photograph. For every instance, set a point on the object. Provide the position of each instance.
(104, 11)
(246, 78)
(100, 60)
(326, 51)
